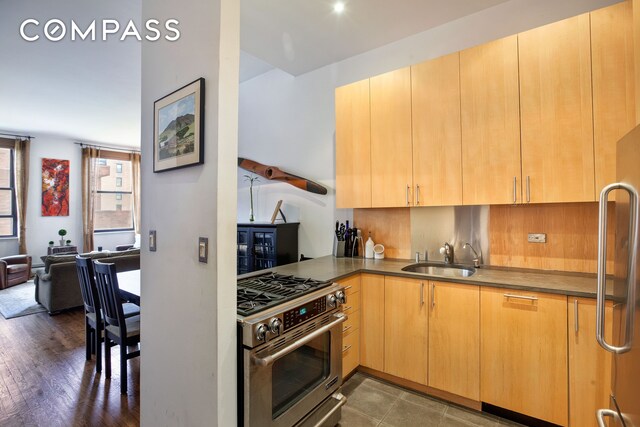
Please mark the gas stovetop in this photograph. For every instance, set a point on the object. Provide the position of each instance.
(261, 292)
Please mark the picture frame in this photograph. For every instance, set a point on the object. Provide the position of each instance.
(178, 128)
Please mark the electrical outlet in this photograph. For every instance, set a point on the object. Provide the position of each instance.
(537, 238)
(203, 249)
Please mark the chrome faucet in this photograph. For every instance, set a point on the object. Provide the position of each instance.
(447, 250)
(476, 260)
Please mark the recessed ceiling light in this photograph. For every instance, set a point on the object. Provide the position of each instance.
(338, 7)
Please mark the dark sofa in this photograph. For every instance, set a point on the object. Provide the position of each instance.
(57, 285)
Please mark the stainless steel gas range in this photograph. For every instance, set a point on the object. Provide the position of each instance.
(289, 351)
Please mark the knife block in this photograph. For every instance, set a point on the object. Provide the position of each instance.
(338, 248)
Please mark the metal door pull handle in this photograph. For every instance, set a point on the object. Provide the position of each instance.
(347, 328)
(341, 401)
(266, 361)
(348, 287)
(601, 413)
(346, 348)
(575, 315)
(348, 307)
(528, 298)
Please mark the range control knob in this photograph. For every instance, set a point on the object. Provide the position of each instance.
(261, 332)
(332, 301)
(341, 297)
(274, 325)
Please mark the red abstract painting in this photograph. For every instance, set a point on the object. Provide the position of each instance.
(55, 187)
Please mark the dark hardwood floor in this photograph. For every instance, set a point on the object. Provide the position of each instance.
(46, 381)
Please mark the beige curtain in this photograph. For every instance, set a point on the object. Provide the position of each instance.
(90, 157)
(135, 189)
(22, 190)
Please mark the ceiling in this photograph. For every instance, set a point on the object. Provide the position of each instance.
(90, 91)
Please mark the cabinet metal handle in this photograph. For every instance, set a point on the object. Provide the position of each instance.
(433, 296)
(417, 195)
(528, 298)
(347, 328)
(347, 307)
(421, 294)
(528, 189)
(407, 195)
(575, 315)
(346, 348)
(601, 413)
(348, 287)
(515, 190)
(632, 245)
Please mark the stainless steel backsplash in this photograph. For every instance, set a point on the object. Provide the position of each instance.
(432, 226)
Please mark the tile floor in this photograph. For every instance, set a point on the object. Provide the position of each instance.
(372, 402)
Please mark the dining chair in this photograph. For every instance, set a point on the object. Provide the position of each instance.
(93, 323)
(118, 330)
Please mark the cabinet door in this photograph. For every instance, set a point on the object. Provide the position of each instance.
(405, 329)
(391, 175)
(524, 353)
(589, 364)
(372, 321)
(353, 146)
(435, 101)
(557, 119)
(264, 249)
(454, 339)
(613, 85)
(490, 123)
(245, 263)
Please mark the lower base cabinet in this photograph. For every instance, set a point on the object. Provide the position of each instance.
(523, 353)
(372, 321)
(351, 327)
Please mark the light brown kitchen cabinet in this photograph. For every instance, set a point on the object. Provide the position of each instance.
(372, 321)
(435, 101)
(589, 364)
(351, 327)
(353, 146)
(454, 338)
(406, 328)
(391, 151)
(523, 353)
(556, 112)
(613, 85)
(490, 110)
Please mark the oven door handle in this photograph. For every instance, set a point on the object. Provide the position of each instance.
(268, 360)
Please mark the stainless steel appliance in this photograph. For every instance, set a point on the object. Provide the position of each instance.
(625, 394)
(289, 351)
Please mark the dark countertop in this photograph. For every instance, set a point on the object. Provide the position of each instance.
(555, 282)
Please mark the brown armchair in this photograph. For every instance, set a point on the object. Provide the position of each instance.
(14, 270)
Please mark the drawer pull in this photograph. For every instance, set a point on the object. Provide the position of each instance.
(348, 287)
(347, 328)
(347, 307)
(346, 348)
(521, 297)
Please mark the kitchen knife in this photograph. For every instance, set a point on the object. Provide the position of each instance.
(272, 172)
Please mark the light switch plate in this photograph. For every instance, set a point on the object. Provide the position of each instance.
(203, 249)
(152, 240)
(537, 238)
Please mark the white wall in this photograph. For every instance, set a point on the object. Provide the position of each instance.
(289, 122)
(188, 367)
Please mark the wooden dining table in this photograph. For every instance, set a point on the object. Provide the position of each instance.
(129, 283)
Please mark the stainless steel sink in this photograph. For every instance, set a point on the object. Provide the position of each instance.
(437, 269)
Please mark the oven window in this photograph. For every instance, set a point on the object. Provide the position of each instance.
(299, 373)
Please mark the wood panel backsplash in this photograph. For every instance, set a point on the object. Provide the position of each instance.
(390, 227)
(572, 236)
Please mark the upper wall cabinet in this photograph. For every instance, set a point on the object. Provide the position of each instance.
(613, 85)
(490, 123)
(435, 102)
(391, 175)
(353, 146)
(556, 114)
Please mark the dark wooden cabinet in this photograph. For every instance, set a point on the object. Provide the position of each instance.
(267, 245)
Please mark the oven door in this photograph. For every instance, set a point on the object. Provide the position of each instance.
(289, 377)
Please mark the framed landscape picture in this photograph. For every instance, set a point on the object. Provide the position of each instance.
(55, 187)
(178, 128)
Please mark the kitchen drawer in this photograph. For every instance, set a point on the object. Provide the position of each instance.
(351, 284)
(352, 304)
(350, 352)
(352, 324)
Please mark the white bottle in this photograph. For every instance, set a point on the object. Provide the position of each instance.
(368, 248)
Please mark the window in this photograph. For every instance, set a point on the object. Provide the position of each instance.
(113, 207)
(8, 210)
